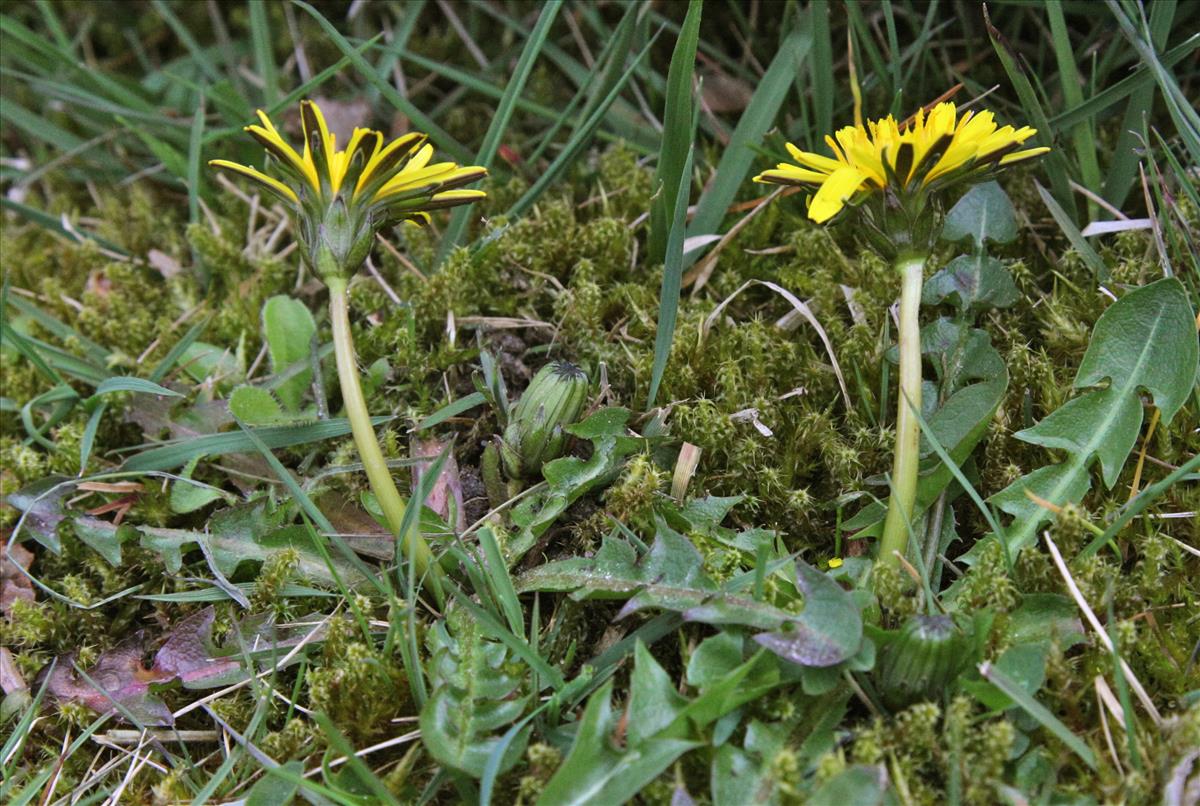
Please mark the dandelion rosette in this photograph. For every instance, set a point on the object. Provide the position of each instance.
(340, 199)
(895, 174)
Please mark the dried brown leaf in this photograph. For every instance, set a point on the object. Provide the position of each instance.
(14, 584)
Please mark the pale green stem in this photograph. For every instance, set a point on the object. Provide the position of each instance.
(378, 474)
(908, 402)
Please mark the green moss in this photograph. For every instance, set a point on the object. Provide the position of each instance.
(359, 688)
(275, 573)
(238, 284)
(987, 583)
(631, 498)
(296, 738)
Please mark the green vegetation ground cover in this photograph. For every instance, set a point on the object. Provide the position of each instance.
(210, 608)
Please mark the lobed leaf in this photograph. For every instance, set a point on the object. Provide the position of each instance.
(476, 696)
(1145, 340)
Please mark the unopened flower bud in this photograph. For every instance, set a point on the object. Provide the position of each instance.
(927, 655)
(535, 434)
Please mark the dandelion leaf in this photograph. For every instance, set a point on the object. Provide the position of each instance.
(984, 213)
(254, 405)
(289, 328)
(247, 533)
(1144, 341)
(598, 771)
(827, 632)
(477, 695)
(974, 282)
(670, 576)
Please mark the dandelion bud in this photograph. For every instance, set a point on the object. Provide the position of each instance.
(924, 658)
(535, 434)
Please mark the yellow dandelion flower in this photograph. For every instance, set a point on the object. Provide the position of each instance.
(342, 197)
(935, 150)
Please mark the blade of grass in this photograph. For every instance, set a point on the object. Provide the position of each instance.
(454, 409)
(962, 480)
(79, 741)
(98, 80)
(919, 52)
(295, 95)
(58, 358)
(361, 771)
(78, 96)
(1131, 740)
(577, 142)
(1017, 693)
(172, 158)
(58, 328)
(678, 131)
(184, 34)
(739, 154)
(1055, 162)
(1183, 111)
(396, 45)
(582, 77)
(894, 58)
(492, 768)
(820, 67)
(1135, 83)
(420, 119)
(501, 582)
(75, 234)
(129, 383)
(1067, 224)
(264, 58)
(194, 174)
(315, 515)
(409, 538)
(38, 127)
(1138, 505)
(89, 435)
(668, 298)
(177, 453)
(865, 42)
(54, 25)
(1122, 170)
(520, 647)
(1081, 133)
(1181, 174)
(712, 48)
(20, 731)
(620, 42)
(476, 83)
(215, 594)
(500, 120)
(176, 352)
(21, 342)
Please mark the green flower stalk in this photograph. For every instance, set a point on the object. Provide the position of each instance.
(338, 201)
(893, 178)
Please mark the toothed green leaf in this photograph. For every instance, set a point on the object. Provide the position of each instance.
(1144, 341)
